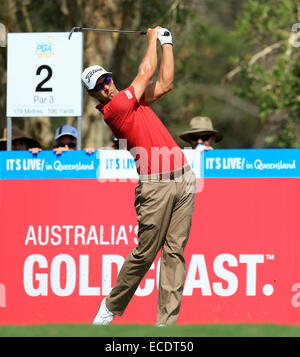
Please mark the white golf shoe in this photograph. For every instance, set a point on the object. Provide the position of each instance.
(104, 316)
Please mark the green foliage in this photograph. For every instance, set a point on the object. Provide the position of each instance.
(210, 38)
(203, 45)
(270, 75)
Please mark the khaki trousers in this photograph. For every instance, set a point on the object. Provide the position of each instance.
(164, 211)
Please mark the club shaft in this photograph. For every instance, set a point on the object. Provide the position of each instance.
(108, 30)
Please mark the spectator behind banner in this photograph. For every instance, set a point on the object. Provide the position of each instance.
(201, 134)
(19, 141)
(65, 139)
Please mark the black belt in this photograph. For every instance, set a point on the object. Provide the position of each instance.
(171, 175)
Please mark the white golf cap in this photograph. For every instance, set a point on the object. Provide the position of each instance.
(65, 130)
(91, 74)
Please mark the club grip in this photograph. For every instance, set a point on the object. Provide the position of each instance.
(166, 33)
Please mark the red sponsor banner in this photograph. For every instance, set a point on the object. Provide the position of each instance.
(63, 242)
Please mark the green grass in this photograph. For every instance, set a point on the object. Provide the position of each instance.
(150, 331)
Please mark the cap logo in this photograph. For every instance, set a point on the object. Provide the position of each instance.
(93, 71)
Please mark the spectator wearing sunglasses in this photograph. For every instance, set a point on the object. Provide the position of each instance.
(66, 140)
(201, 134)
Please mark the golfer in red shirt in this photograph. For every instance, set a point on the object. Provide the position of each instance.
(164, 196)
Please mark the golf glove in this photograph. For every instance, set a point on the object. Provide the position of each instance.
(164, 39)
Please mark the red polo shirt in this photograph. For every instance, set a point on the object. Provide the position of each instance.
(148, 140)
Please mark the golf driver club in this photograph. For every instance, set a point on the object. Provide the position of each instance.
(78, 28)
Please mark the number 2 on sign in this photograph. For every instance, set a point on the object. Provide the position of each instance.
(40, 87)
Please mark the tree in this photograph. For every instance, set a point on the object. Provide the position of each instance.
(204, 42)
(61, 16)
(268, 70)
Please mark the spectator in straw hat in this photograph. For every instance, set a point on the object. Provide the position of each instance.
(201, 134)
(19, 141)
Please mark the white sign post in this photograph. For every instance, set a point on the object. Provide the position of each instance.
(44, 75)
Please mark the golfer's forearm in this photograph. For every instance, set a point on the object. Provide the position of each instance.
(166, 74)
(149, 63)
